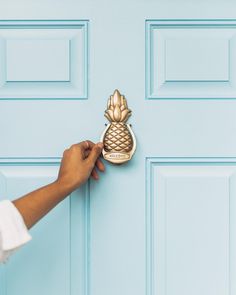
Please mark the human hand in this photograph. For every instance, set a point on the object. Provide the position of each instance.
(79, 162)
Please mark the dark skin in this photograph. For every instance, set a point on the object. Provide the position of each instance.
(79, 162)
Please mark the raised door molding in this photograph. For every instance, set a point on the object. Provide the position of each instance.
(191, 226)
(44, 59)
(190, 59)
(59, 249)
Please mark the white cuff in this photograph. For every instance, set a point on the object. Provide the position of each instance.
(13, 230)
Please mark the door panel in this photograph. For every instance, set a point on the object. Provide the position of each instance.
(190, 226)
(190, 59)
(44, 266)
(43, 59)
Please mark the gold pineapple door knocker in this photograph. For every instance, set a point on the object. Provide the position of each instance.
(118, 138)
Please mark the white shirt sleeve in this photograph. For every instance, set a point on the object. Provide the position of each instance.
(13, 231)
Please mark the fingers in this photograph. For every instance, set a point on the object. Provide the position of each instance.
(100, 165)
(90, 151)
(65, 152)
(86, 144)
(83, 148)
(95, 153)
(94, 174)
(87, 151)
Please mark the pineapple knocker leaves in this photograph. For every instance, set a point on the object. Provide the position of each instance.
(117, 108)
(118, 138)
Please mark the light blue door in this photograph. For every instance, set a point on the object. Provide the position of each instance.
(162, 224)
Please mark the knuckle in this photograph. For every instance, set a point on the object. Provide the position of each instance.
(90, 142)
(98, 149)
(90, 164)
(74, 147)
(65, 152)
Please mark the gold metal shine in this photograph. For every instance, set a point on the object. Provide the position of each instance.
(118, 138)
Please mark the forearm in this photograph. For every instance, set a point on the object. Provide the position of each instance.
(33, 206)
(77, 164)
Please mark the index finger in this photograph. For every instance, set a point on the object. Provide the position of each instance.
(86, 144)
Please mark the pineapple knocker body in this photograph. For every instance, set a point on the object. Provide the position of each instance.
(118, 137)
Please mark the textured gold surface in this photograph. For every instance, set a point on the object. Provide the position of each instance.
(118, 138)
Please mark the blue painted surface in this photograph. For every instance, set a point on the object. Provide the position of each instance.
(44, 59)
(189, 59)
(190, 225)
(110, 237)
(48, 263)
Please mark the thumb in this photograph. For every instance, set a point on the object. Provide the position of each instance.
(95, 152)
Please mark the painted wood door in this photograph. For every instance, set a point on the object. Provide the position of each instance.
(164, 223)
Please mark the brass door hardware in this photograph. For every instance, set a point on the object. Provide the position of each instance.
(118, 138)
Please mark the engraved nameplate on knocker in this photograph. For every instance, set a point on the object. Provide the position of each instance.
(118, 138)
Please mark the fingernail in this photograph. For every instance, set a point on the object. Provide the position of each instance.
(100, 144)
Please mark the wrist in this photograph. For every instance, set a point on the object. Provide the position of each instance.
(64, 187)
